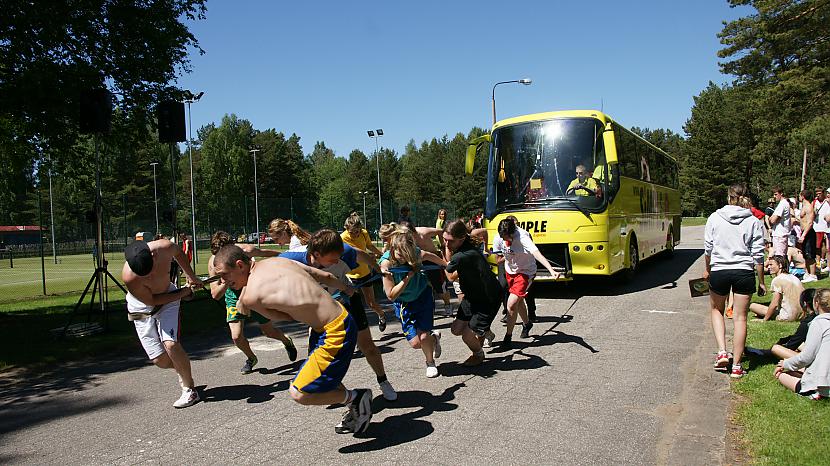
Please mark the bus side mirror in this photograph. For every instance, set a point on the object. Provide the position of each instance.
(609, 143)
(472, 149)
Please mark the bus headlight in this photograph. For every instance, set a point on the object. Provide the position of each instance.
(589, 248)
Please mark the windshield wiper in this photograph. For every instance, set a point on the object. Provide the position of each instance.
(578, 207)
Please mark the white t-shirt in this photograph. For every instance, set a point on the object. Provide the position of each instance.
(294, 243)
(784, 225)
(518, 258)
(790, 288)
(822, 209)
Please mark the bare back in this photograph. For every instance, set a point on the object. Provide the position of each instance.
(280, 286)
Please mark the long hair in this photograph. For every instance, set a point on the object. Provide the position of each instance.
(218, 240)
(459, 229)
(402, 248)
(279, 226)
(738, 195)
(822, 300)
(353, 224)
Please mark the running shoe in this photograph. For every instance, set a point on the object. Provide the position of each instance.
(381, 322)
(507, 343)
(249, 365)
(526, 329)
(504, 319)
(189, 398)
(737, 371)
(432, 371)
(436, 352)
(357, 418)
(389, 393)
(809, 278)
(346, 424)
(721, 360)
(475, 360)
(489, 336)
(291, 350)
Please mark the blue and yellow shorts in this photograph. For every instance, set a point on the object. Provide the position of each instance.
(329, 356)
(416, 315)
(233, 315)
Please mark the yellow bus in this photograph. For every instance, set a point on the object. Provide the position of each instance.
(596, 198)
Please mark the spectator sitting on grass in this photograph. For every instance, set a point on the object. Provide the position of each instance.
(786, 290)
(808, 372)
(789, 346)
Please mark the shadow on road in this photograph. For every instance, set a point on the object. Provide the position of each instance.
(494, 365)
(25, 415)
(407, 427)
(250, 393)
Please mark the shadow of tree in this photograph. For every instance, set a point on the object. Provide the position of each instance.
(249, 392)
(25, 415)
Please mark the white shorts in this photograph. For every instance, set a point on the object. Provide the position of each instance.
(154, 330)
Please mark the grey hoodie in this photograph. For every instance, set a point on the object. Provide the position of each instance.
(734, 239)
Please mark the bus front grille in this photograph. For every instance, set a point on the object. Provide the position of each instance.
(557, 254)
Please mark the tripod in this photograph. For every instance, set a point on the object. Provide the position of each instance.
(98, 280)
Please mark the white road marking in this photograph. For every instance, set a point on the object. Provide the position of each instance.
(653, 311)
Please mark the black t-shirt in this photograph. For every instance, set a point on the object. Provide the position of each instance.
(800, 336)
(477, 281)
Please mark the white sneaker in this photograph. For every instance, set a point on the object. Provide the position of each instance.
(825, 270)
(189, 398)
(432, 371)
(809, 278)
(436, 352)
(488, 339)
(389, 393)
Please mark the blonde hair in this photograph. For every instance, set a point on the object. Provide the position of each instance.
(738, 196)
(402, 248)
(353, 224)
(279, 226)
(822, 301)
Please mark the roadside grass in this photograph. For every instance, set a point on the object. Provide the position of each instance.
(693, 221)
(26, 339)
(779, 426)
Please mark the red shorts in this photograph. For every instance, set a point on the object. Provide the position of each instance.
(819, 239)
(518, 284)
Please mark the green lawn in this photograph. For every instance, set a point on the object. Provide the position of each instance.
(779, 427)
(693, 221)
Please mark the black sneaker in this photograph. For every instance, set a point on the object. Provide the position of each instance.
(357, 418)
(504, 319)
(526, 330)
(249, 365)
(507, 343)
(532, 317)
(291, 350)
(381, 322)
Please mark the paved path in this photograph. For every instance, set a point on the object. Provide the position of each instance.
(614, 374)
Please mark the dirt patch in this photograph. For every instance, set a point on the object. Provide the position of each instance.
(737, 447)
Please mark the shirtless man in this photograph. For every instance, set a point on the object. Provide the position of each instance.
(281, 289)
(153, 305)
(807, 239)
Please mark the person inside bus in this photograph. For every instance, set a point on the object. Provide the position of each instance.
(584, 184)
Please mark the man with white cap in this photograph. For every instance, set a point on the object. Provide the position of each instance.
(153, 306)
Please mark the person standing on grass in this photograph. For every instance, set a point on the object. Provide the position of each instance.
(357, 237)
(780, 221)
(821, 207)
(733, 248)
(807, 238)
(153, 304)
(519, 255)
(808, 372)
(220, 291)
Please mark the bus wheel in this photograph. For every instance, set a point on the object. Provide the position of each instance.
(668, 253)
(633, 259)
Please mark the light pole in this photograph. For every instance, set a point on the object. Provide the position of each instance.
(525, 81)
(376, 134)
(256, 198)
(364, 193)
(189, 99)
(155, 196)
(52, 215)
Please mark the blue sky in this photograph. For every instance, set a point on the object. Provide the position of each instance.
(329, 71)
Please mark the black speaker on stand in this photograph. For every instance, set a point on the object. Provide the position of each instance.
(170, 116)
(95, 119)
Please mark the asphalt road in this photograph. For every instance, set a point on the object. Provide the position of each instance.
(614, 374)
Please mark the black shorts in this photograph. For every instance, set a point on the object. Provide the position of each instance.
(808, 247)
(357, 311)
(739, 281)
(807, 393)
(479, 314)
(436, 279)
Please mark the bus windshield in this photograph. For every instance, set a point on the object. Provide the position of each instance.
(552, 164)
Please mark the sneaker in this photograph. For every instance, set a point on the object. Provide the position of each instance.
(249, 365)
(507, 343)
(389, 393)
(447, 310)
(825, 270)
(189, 398)
(809, 278)
(815, 396)
(475, 360)
(488, 339)
(357, 418)
(532, 317)
(347, 424)
(381, 322)
(504, 319)
(291, 350)
(721, 360)
(436, 352)
(526, 330)
(728, 312)
(432, 371)
(737, 371)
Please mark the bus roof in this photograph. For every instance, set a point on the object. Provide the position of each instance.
(551, 115)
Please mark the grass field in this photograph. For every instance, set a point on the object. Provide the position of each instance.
(693, 221)
(779, 427)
